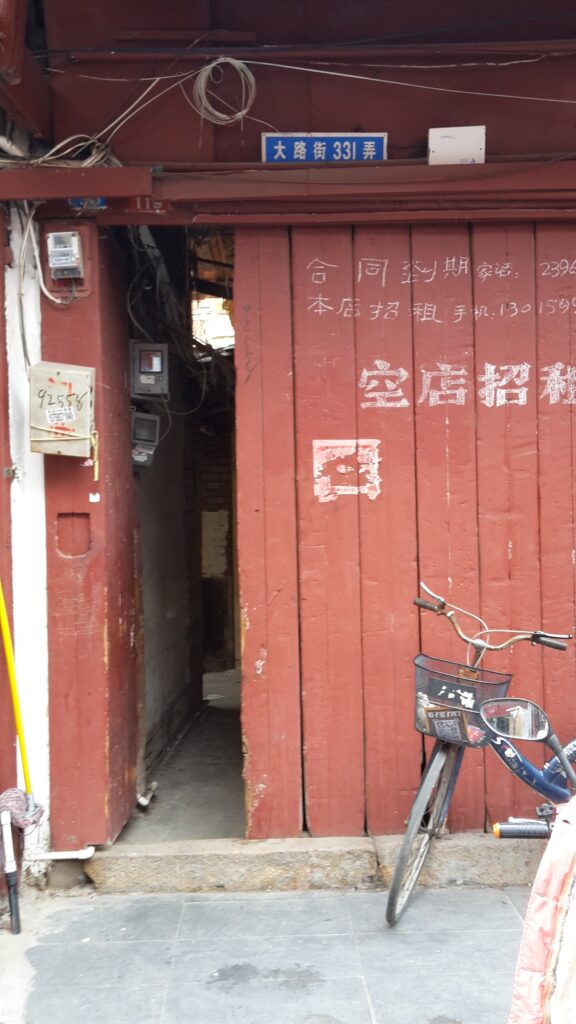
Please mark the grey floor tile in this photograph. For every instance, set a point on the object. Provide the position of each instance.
(443, 994)
(327, 916)
(304, 959)
(436, 910)
(482, 954)
(94, 964)
(126, 919)
(242, 1001)
(85, 1006)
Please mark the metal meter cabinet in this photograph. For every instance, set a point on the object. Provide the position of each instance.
(61, 409)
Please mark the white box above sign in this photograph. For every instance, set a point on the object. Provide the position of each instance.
(465, 145)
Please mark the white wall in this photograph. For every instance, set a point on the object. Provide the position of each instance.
(28, 529)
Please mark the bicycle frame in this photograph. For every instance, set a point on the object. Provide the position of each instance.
(549, 780)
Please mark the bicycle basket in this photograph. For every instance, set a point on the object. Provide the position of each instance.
(448, 696)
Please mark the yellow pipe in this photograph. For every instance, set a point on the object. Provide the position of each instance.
(9, 652)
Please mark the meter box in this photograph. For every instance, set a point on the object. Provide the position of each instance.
(61, 409)
(149, 369)
(65, 254)
(145, 437)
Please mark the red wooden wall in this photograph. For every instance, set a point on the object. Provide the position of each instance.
(405, 411)
(91, 590)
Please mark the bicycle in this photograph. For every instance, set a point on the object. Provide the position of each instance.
(448, 700)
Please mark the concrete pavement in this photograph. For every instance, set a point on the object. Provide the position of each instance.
(256, 958)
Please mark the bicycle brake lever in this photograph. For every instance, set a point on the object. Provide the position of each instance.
(437, 597)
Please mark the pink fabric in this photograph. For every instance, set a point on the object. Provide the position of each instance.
(539, 949)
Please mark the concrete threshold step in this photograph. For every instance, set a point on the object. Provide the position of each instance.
(236, 865)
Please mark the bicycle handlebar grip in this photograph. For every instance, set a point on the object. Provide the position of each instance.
(521, 830)
(421, 603)
(545, 641)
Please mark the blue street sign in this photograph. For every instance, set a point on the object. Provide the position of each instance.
(323, 147)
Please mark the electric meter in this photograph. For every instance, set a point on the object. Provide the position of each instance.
(65, 254)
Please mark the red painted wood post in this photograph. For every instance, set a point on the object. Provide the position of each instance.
(328, 477)
(267, 547)
(388, 533)
(7, 728)
(90, 540)
(445, 441)
(508, 467)
(553, 381)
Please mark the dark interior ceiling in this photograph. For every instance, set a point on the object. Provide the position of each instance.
(85, 24)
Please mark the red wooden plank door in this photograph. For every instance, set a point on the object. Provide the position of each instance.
(267, 536)
(331, 482)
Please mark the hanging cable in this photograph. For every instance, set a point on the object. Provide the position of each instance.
(212, 75)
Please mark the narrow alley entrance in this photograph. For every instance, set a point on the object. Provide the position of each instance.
(179, 301)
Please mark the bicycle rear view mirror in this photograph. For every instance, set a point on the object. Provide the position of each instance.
(517, 718)
(520, 719)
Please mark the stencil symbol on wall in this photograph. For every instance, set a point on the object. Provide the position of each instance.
(344, 467)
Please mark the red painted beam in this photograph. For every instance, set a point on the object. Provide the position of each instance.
(266, 184)
(254, 219)
(63, 183)
(303, 54)
(504, 182)
(27, 99)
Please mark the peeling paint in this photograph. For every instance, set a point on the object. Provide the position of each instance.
(254, 797)
(260, 663)
(106, 644)
(244, 626)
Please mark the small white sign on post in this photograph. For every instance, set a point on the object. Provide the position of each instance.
(61, 409)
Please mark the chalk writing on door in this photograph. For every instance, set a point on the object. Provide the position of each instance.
(386, 387)
(346, 306)
(346, 467)
(425, 271)
(381, 386)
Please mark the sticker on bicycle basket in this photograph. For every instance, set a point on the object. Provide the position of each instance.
(455, 725)
(442, 692)
(447, 725)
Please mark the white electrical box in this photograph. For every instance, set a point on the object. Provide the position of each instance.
(61, 409)
(465, 145)
(149, 369)
(65, 254)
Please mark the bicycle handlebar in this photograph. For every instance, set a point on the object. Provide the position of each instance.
(521, 830)
(545, 640)
(538, 636)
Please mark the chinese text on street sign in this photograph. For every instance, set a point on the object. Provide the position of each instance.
(323, 148)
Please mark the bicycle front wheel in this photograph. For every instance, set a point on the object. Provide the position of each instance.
(425, 823)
